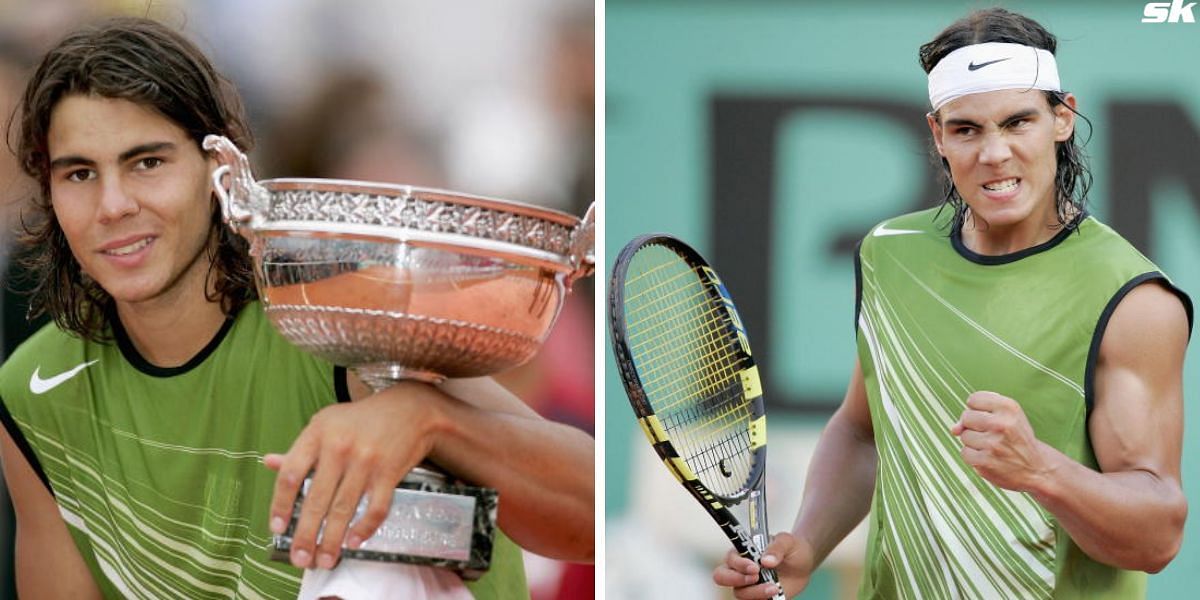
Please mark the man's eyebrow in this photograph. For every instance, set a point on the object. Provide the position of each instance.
(1017, 116)
(75, 160)
(961, 122)
(64, 162)
(148, 148)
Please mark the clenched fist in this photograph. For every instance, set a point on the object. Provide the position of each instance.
(998, 442)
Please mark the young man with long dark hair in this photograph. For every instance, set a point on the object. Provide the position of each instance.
(1013, 424)
(137, 424)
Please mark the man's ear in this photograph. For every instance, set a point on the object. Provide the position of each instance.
(1064, 118)
(935, 129)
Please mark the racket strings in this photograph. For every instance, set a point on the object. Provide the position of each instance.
(671, 373)
(701, 330)
(683, 342)
(722, 462)
(712, 326)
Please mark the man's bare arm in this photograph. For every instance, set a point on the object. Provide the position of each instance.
(546, 470)
(841, 476)
(1131, 513)
(48, 564)
(472, 428)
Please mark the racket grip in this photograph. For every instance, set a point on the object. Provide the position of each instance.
(761, 538)
(768, 576)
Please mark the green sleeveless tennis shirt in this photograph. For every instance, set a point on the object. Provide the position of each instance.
(936, 322)
(158, 471)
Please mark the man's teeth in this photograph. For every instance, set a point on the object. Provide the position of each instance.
(1001, 186)
(131, 248)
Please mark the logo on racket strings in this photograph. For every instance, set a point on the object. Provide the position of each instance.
(734, 318)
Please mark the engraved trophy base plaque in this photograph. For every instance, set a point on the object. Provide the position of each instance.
(396, 282)
(431, 522)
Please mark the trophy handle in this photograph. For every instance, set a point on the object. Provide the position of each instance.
(583, 247)
(244, 201)
(218, 179)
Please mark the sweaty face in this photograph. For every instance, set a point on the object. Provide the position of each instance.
(1001, 150)
(131, 192)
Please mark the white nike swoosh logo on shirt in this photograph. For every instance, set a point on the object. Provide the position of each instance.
(883, 230)
(37, 385)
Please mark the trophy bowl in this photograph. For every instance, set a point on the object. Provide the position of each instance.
(402, 282)
(398, 282)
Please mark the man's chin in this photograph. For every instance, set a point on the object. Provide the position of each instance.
(987, 214)
(131, 294)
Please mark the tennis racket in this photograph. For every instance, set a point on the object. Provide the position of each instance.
(685, 361)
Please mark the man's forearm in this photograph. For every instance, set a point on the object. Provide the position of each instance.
(838, 489)
(1128, 519)
(544, 472)
(43, 573)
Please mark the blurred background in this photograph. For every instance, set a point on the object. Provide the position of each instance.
(484, 97)
(772, 136)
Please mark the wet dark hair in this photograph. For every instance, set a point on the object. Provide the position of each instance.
(144, 62)
(1072, 178)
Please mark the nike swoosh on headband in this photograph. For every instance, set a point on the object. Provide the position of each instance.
(976, 67)
(37, 385)
(883, 230)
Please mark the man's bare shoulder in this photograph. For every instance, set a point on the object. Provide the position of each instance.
(1152, 323)
(1153, 307)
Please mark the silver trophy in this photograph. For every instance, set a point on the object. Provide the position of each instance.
(397, 282)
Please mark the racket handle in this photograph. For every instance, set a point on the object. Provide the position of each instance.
(761, 537)
(768, 576)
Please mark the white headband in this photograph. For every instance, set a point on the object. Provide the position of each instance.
(989, 67)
